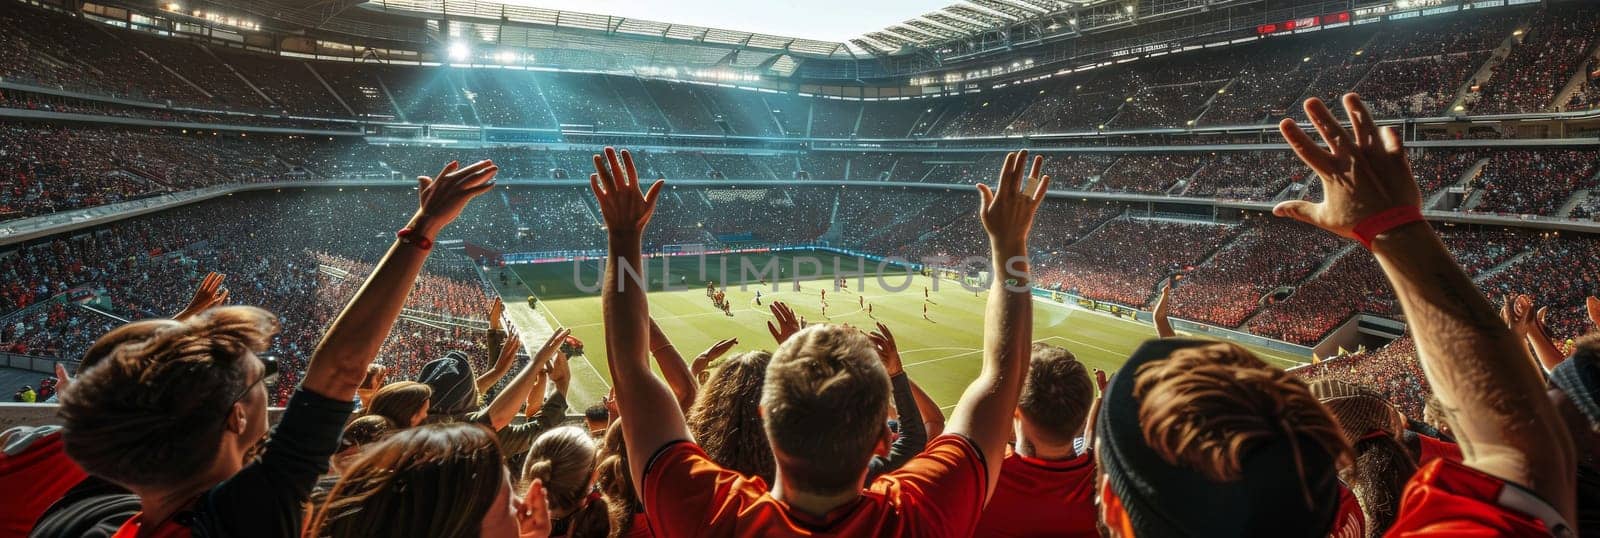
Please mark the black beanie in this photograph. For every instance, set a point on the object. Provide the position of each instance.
(1163, 500)
(454, 391)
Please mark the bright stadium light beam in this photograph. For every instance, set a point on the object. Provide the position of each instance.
(506, 57)
(458, 51)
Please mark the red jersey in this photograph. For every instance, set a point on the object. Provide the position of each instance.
(34, 477)
(1350, 522)
(640, 528)
(1432, 449)
(167, 529)
(938, 493)
(1037, 497)
(1447, 498)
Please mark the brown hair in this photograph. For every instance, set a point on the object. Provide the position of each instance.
(826, 399)
(364, 430)
(1056, 397)
(612, 478)
(725, 419)
(149, 406)
(1207, 407)
(400, 401)
(563, 458)
(432, 480)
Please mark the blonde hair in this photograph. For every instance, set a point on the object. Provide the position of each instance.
(149, 404)
(826, 398)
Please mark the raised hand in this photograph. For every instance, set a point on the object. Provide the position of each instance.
(1159, 315)
(209, 294)
(496, 309)
(616, 188)
(561, 373)
(883, 342)
(702, 362)
(1100, 380)
(1522, 317)
(1007, 211)
(63, 380)
(787, 323)
(533, 512)
(441, 198)
(376, 375)
(1364, 169)
(552, 346)
(1592, 304)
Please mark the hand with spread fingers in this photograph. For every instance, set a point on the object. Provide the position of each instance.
(1364, 169)
(787, 322)
(440, 199)
(615, 183)
(883, 341)
(210, 294)
(1007, 210)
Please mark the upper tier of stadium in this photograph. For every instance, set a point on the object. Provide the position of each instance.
(1441, 64)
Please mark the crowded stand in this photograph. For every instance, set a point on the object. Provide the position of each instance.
(1534, 182)
(1150, 174)
(1548, 55)
(322, 349)
(1352, 284)
(1237, 281)
(1245, 175)
(1123, 260)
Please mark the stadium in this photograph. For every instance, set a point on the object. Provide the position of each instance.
(421, 197)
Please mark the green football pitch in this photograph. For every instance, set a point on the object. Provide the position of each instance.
(941, 352)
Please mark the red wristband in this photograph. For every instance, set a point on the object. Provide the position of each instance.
(411, 237)
(1383, 221)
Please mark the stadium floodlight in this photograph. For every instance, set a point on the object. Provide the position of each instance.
(458, 51)
(506, 57)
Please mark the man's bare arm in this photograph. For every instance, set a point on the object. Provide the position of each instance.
(651, 413)
(985, 410)
(1493, 399)
(340, 361)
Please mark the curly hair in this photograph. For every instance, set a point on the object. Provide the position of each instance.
(1207, 407)
(432, 480)
(150, 402)
(725, 418)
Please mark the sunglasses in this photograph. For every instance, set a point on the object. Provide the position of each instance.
(269, 376)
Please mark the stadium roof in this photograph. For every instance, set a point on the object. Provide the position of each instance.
(961, 20)
(494, 12)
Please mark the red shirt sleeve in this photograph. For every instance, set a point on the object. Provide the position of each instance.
(38, 476)
(1447, 498)
(941, 491)
(686, 494)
